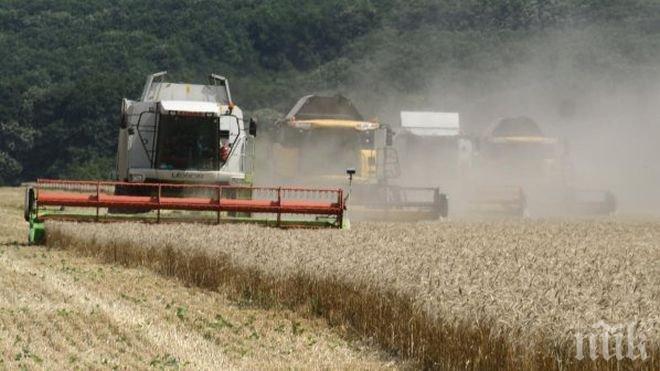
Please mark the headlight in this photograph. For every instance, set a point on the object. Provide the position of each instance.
(365, 125)
(301, 125)
(136, 178)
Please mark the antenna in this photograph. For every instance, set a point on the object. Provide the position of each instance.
(350, 172)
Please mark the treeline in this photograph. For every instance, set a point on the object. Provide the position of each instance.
(66, 64)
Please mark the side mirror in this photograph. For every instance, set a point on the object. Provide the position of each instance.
(389, 137)
(253, 127)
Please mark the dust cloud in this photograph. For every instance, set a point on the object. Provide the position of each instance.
(601, 103)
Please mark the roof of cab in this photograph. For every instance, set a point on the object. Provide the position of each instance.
(436, 124)
(191, 106)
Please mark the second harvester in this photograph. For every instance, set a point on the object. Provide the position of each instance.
(322, 136)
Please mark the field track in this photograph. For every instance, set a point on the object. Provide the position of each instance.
(59, 310)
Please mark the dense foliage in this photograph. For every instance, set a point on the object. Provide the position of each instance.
(66, 64)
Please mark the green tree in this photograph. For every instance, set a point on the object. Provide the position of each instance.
(66, 64)
(14, 140)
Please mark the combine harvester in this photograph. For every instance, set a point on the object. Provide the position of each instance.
(515, 154)
(323, 136)
(436, 140)
(184, 155)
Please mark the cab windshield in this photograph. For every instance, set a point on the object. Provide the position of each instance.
(188, 143)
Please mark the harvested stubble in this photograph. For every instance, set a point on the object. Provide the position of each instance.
(482, 295)
(63, 311)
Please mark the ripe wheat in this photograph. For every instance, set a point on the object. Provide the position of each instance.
(476, 294)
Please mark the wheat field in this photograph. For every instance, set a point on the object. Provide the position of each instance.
(461, 294)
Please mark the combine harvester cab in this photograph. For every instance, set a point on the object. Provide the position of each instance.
(184, 155)
(323, 136)
(184, 133)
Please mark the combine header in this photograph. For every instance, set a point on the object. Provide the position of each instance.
(498, 201)
(89, 201)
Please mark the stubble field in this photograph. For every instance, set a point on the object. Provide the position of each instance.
(61, 310)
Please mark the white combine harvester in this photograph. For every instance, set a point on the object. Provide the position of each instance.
(184, 155)
(435, 140)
